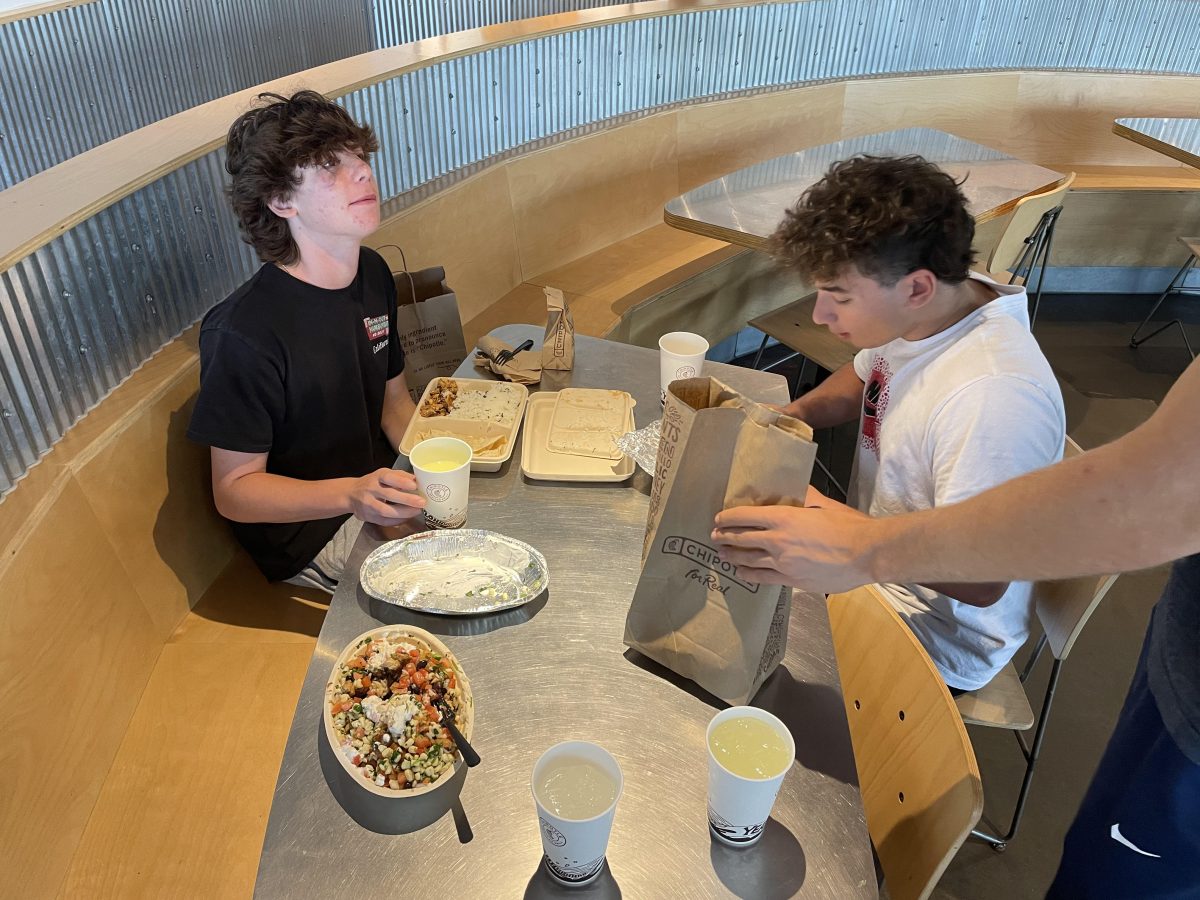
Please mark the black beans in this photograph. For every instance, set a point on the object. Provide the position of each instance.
(422, 664)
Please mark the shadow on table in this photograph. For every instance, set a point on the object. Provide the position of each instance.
(813, 713)
(542, 885)
(385, 815)
(483, 623)
(816, 716)
(773, 867)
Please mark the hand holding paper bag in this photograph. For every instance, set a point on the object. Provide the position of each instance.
(691, 612)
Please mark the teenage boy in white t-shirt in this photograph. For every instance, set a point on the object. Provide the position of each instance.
(952, 392)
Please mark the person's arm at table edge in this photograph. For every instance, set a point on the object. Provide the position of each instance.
(244, 491)
(1126, 505)
(398, 409)
(836, 400)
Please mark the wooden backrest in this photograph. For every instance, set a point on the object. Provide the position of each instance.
(1025, 217)
(920, 783)
(1064, 607)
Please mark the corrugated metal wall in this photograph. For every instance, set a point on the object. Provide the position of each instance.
(75, 78)
(80, 314)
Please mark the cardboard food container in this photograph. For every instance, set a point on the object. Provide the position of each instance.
(470, 430)
(464, 720)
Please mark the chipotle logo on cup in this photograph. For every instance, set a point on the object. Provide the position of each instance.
(438, 492)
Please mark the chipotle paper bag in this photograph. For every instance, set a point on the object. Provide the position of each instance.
(428, 324)
(558, 349)
(691, 612)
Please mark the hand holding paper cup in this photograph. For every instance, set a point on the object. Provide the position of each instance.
(680, 355)
(749, 753)
(442, 466)
(576, 786)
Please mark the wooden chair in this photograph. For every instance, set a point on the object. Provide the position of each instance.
(1062, 608)
(1177, 286)
(1025, 243)
(920, 783)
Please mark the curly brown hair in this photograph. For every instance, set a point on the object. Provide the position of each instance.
(887, 216)
(265, 151)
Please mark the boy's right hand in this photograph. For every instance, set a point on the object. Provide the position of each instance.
(385, 497)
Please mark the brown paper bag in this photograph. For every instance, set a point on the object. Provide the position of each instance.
(428, 323)
(691, 612)
(558, 349)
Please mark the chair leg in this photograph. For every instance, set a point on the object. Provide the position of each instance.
(759, 355)
(1000, 844)
(1173, 288)
(1045, 254)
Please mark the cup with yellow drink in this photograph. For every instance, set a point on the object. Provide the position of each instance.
(749, 753)
(442, 466)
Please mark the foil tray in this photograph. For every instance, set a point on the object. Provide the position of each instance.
(455, 573)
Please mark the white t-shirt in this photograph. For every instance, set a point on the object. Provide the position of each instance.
(945, 418)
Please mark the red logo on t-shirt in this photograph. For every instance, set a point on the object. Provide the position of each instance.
(377, 327)
(875, 400)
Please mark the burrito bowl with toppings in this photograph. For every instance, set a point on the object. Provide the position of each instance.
(384, 704)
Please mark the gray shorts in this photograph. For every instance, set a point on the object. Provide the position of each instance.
(326, 569)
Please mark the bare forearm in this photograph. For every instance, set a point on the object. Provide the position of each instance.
(393, 430)
(263, 497)
(398, 409)
(1130, 504)
(838, 399)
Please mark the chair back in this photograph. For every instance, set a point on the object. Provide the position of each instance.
(920, 783)
(1064, 607)
(1026, 219)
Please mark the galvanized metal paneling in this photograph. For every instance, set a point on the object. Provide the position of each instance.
(77, 77)
(79, 315)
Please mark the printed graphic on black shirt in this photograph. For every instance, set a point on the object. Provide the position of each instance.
(377, 331)
(876, 395)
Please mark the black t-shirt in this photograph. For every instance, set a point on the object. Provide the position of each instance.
(298, 372)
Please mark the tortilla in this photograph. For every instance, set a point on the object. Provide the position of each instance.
(587, 422)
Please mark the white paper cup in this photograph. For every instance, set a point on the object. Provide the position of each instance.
(445, 490)
(738, 807)
(574, 849)
(680, 355)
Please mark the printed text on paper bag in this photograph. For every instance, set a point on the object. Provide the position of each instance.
(676, 545)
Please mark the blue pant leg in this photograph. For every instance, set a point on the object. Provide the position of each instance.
(1137, 833)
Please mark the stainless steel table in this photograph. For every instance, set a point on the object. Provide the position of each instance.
(745, 206)
(1176, 138)
(555, 670)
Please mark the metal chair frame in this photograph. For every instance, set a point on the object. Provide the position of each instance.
(1036, 255)
(1175, 287)
(1031, 752)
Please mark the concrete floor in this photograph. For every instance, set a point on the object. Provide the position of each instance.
(1108, 389)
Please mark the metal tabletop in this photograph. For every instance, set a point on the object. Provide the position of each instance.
(745, 206)
(1176, 138)
(556, 669)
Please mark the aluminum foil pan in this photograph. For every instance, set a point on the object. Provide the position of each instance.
(642, 445)
(455, 573)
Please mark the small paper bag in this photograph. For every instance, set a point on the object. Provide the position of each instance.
(558, 349)
(691, 612)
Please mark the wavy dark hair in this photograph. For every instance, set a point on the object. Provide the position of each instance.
(264, 152)
(887, 216)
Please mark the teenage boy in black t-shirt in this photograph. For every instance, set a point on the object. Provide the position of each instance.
(302, 392)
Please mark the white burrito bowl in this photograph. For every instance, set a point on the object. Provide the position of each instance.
(464, 718)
